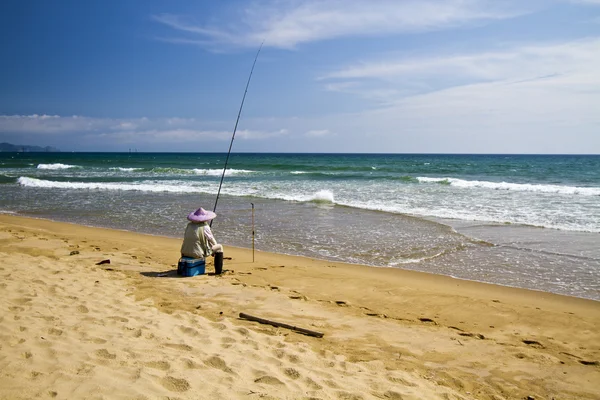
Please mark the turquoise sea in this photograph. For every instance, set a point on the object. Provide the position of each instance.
(530, 221)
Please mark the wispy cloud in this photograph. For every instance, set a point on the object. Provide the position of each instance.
(553, 63)
(167, 131)
(286, 24)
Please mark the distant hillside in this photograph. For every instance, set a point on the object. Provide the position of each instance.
(7, 147)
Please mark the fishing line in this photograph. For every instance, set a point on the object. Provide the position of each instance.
(235, 129)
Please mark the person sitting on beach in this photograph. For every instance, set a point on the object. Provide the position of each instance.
(198, 240)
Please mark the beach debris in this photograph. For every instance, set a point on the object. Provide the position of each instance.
(429, 320)
(282, 325)
(341, 303)
(103, 262)
(475, 335)
(533, 343)
(570, 355)
(74, 252)
(584, 362)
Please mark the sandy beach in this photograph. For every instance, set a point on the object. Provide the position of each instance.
(71, 328)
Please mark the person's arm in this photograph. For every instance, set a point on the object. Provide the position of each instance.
(209, 236)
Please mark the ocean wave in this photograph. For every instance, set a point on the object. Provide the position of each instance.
(219, 172)
(415, 260)
(56, 166)
(582, 225)
(322, 196)
(520, 187)
(126, 169)
(574, 220)
(175, 187)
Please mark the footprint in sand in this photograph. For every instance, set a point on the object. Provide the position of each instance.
(218, 363)
(243, 331)
(55, 331)
(117, 318)
(103, 353)
(162, 365)
(183, 347)
(291, 373)
(392, 395)
(188, 330)
(82, 309)
(219, 326)
(227, 339)
(35, 374)
(174, 384)
(269, 380)
(402, 381)
(312, 384)
(189, 364)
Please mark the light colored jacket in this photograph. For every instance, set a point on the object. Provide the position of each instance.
(197, 240)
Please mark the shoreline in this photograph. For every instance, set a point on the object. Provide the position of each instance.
(389, 333)
(442, 222)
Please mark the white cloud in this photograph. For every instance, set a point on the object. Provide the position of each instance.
(285, 24)
(171, 132)
(572, 66)
(538, 98)
(260, 135)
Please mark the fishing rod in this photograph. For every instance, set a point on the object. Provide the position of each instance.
(235, 129)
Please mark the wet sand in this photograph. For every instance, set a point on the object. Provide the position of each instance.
(133, 329)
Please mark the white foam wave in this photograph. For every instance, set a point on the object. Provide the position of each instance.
(174, 187)
(56, 166)
(579, 225)
(125, 169)
(521, 187)
(323, 196)
(8, 212)
(414, 260)
(219, 172)
(298, 172)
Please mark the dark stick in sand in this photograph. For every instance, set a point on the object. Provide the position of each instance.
(281, 325)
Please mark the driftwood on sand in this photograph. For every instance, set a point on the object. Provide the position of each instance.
(281, 325)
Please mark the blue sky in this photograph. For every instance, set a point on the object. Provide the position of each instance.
(402, 76)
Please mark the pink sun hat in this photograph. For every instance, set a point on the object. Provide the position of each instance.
(201, 215)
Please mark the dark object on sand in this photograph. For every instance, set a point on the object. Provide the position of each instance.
(218, 263)
(103, 262)
(74, 252)
(281, 325)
